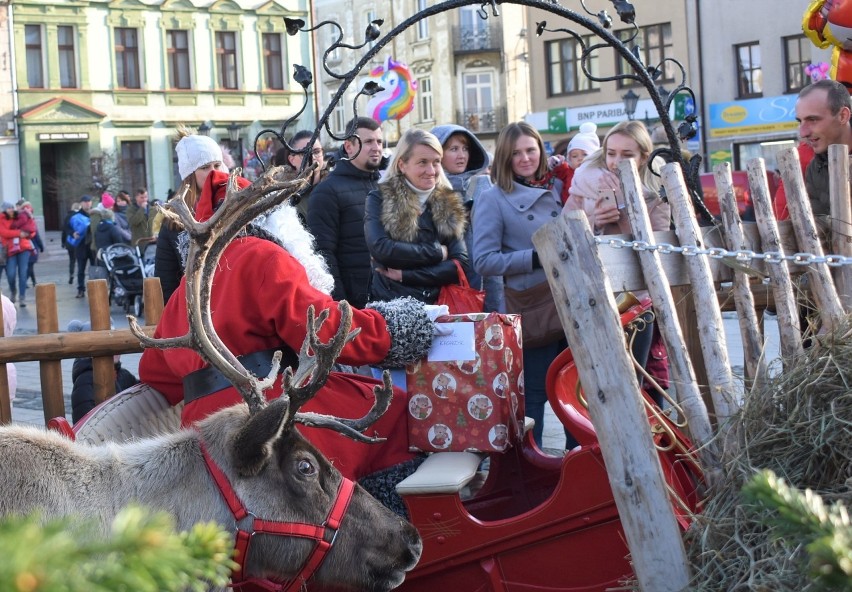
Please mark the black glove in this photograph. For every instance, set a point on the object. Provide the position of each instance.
(535, 261)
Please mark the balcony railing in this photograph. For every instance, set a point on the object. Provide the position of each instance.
(469, 38)
(486, 121)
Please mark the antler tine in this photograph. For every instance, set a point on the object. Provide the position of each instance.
(315, 358)
(353, 428)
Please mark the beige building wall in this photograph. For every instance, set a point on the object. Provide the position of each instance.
(602, 105)
(738, 128)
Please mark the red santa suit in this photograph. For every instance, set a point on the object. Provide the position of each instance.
(259, 301)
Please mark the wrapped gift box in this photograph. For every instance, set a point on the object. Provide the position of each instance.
(468, 393)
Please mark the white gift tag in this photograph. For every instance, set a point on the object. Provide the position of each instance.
(458, 345)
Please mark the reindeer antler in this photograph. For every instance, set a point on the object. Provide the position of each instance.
(207, 243)
(316, 360)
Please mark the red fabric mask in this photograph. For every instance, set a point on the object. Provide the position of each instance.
(213, 194)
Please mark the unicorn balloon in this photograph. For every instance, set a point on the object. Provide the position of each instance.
(398, 97)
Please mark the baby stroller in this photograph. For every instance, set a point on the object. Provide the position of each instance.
(126, 274)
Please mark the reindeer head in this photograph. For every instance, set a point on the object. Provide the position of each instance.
(281, 477)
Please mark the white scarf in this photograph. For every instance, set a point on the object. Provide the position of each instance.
(284, 224)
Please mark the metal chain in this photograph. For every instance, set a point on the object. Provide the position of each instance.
(741, 256)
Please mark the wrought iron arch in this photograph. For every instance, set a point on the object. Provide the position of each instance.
(600, 24)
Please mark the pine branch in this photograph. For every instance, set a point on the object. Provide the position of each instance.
(142, 553)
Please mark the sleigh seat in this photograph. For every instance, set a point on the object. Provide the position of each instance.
(135, 413)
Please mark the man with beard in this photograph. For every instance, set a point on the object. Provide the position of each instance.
(336, 212)
(823, 111)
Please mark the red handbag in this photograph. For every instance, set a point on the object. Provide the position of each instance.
(461, 298)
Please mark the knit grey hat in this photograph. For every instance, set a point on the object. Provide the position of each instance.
(194, 152)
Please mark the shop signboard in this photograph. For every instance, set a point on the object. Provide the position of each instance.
(750, 117)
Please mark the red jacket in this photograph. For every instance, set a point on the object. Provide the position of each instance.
(259, 301)
(10, 229)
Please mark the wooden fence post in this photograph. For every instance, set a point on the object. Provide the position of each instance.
(779, 274)
(688, 394)
(103, 367)
(714, 349)
(753, 345)
(47, 319)
(586, 307)
(821, 283)
(841, 219)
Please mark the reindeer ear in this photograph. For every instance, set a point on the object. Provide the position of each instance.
(253, 443)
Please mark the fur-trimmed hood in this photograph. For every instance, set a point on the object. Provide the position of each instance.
(401, 211)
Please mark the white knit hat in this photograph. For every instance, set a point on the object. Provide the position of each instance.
(194, 152)
(586, 139)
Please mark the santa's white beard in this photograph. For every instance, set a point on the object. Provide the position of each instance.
(284, 224)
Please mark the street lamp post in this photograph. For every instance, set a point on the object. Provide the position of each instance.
(204, 129)
(630, 99)
(234, 136)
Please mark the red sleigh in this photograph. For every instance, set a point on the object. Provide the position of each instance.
(538, 522)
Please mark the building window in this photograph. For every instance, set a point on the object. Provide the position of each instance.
(133, 165)
(226, 59)
(177, 53)
(424, 100)
(127, 58)
(423, 24)
(35, 56)
(273, 61)
(332, 34)
(479, 113)
(67, 57)
(655, 43)
(797, 57)
(749, 72)
(564, 68)
(337, 118)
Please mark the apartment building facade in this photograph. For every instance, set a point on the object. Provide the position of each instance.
(563, 97)
(10, 168)
(102, 87)
(752, 57)
(468, 70)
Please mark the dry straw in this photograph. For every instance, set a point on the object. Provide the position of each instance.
(799, 425)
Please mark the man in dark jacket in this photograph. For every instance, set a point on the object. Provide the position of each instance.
(336, 212)
(824, 113)
(82, 375)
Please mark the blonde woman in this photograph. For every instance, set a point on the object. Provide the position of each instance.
(414, 224)
(197, 157)
(596, 188)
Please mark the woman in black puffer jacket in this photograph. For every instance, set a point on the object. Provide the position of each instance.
(414, 224)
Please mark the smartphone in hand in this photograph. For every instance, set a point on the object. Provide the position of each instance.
(610, 196)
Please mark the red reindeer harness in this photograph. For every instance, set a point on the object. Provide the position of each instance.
(324, 534)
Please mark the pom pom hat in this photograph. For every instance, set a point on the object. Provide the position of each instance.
(107, 200)
(586, 139)
(194, 152)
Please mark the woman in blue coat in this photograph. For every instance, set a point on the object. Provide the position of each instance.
(524, 197)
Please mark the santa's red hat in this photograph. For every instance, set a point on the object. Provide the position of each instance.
(213, 194)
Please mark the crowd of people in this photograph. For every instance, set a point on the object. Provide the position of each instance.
(385, 230)
(90, 227)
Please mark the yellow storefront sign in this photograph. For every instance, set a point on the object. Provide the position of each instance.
(745, 130)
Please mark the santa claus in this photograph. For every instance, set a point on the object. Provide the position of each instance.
(267, 278)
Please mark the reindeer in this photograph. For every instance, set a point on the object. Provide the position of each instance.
(245, 467)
